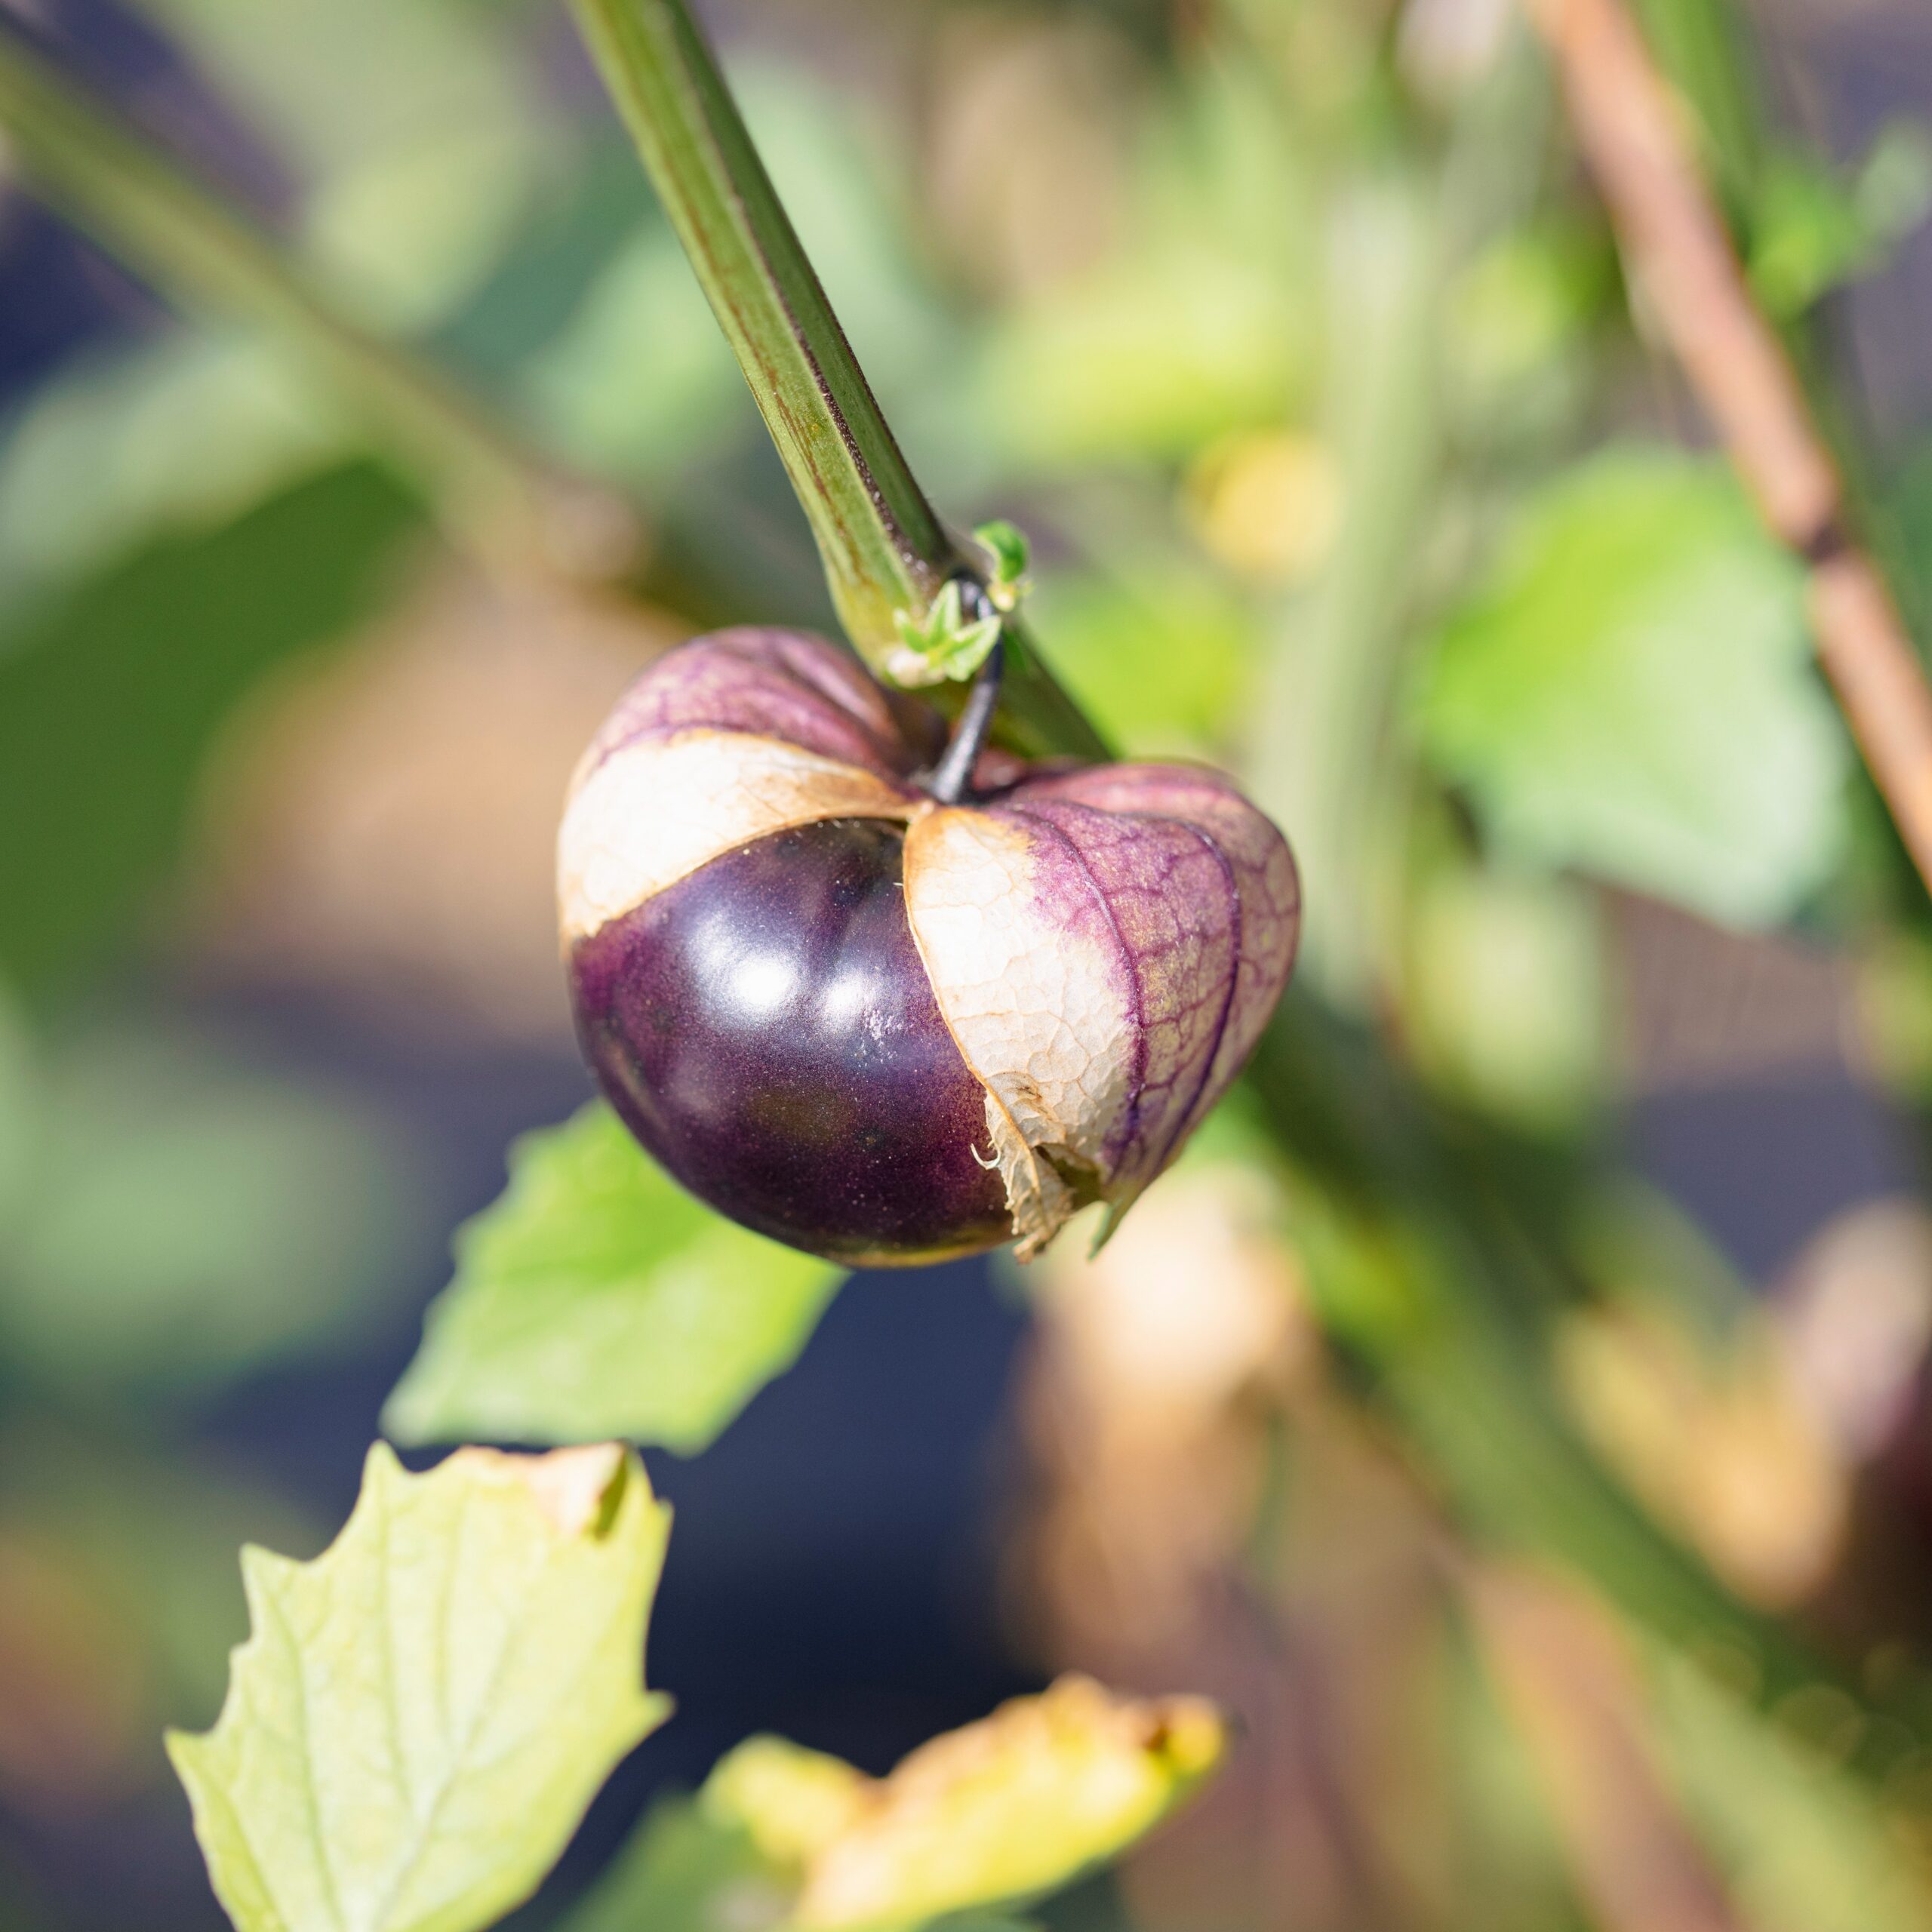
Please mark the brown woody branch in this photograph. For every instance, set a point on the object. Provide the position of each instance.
(1678, 256)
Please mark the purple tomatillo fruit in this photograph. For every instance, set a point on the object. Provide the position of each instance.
(888, 1026)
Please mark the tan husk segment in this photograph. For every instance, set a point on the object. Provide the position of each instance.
(700, 793)
(726, 739)
(1040, 1013)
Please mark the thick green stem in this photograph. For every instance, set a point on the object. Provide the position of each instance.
(1321, 762)
(885, 551)
(1038, 719)
(179, 234)
(1434, 1270)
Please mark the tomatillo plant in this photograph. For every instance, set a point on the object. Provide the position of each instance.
(878, 952)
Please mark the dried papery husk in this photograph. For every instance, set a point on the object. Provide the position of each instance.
(1106, 946)
(741, 734)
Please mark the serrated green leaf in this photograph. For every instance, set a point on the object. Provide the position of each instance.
(1631, 694)
(1013, 1808)
(596, 1298)
(421, 1715)
(1000, 1812)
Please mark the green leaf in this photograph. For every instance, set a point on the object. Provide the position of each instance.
(1631, 694)
(110, 698)
(1005, 1811)
(413, 1730)
(595, 1298)
(683, 1870)
(1009, 554)
(1012, 1807)
(942, 644)
(688, 1868)
(1808, 235)
(1812, 232)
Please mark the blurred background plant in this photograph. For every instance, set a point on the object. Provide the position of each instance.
(1514, 1408)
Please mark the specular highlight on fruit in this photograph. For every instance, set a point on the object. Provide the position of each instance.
(879, 1025)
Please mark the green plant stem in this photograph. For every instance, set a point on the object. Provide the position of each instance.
(1433, 1261)
(181, 235)
(1321, 760)
(1038, 717)
(884, 550)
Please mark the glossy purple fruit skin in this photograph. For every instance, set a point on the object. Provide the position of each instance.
(766, 1028)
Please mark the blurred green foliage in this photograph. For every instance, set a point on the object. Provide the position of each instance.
(112, 691)
(1631, 694)
(1301, 353)
(417, 136)
(180, 1218)
(1814, 233)
(684, 1869)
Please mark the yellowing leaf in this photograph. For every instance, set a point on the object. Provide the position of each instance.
(596, 1298)
(1005, 1810)
(793, 1802)
(414, 1729)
